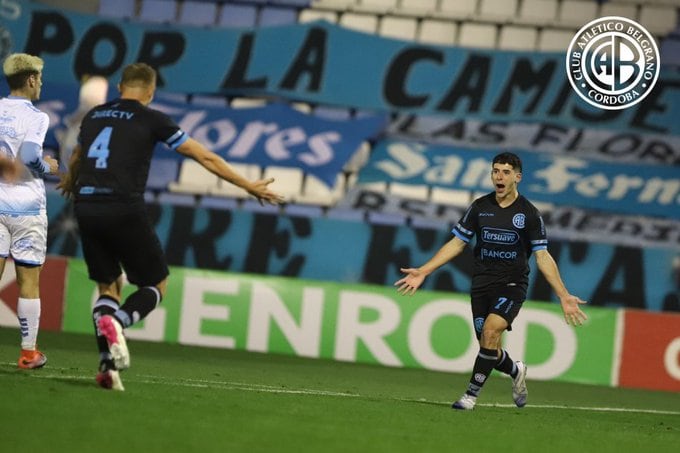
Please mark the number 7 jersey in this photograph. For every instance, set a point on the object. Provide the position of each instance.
(118, 140)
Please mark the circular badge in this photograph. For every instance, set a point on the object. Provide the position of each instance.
(518, 220)
(613, 62)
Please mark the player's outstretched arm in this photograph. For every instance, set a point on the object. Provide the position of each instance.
(415, 276)
(570, 303)
(215, 164)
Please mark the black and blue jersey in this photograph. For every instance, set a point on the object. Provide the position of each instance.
(117, 140)
(505, 239)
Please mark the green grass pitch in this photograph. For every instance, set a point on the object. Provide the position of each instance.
(193, 399)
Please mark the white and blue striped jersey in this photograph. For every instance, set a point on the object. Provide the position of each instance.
(22, 130)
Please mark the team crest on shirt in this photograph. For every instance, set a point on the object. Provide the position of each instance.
(518, 220)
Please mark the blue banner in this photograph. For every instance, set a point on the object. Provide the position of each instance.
(272, 135)
(330, 249)
(321, 63)
(566, 181)
(275, 135)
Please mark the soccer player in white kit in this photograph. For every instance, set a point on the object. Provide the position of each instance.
(23, 215)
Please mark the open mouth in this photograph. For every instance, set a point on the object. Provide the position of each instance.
(500, 186)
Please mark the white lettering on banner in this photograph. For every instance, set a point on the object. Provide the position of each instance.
(612, 145)
(565, 342)
(10, 10)
(350, 330)
(277, 145)
(671, 359)
(194, 311)
(420, 332)
(223, 132)
(558, 178)
(266, 307)
(249, 136)
(407, 162)
(224, 129)
(320, 145)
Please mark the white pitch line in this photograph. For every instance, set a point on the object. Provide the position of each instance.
(243, 386)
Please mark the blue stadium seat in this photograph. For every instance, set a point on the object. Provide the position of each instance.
(158, 11)
(233, 15)
(121, 9)
(670, 50)
(300, 3)
(198, 13)
(277, 16)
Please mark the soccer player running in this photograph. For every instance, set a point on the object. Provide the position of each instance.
(107, 177)
(508, 229)
(23, 215)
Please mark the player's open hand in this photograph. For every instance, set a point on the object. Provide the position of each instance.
(572, 312)
(66, 185)
(411, 282)
(260, 191)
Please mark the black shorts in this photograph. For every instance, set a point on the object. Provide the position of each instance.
(504, 301)
(127, 240)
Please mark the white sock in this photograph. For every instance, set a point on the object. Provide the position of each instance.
(28, 312)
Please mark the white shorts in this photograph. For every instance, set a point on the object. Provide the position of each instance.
(24, 237)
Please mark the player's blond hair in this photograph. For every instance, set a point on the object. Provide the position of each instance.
(18, 63)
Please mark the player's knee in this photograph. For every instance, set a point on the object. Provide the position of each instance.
(490, 338)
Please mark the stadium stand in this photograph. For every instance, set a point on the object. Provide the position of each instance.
(435, 31)
(197, 13)
(537, 12)
(544, 25)
(398, 27)
(456, 9)
(273, 15)
(159, 11)
(193, 179)
(417, 8)
(237, 15)
(517, 38)
(576, 13)
(121, 9)
(497, 10)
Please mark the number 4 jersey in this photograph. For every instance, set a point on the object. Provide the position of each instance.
(117, 140)
(506, 237)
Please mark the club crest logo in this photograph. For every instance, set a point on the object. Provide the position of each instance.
(613, 63)
(518, 220)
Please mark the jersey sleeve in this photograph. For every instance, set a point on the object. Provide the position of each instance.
(38, 129)
(167, 131)
(465, 228)
(537, 233)
(32, 146)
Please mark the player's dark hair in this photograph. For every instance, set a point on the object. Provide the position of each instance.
(20, 79)
(510, 159)
(138, 74)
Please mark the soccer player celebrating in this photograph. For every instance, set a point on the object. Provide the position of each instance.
(23, 215)
(508, 229)
(107, 176)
